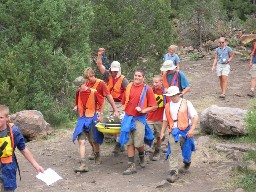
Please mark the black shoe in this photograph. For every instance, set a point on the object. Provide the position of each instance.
(185, 167)
(142, 161)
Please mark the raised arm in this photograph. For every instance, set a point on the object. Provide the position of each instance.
(100, 66)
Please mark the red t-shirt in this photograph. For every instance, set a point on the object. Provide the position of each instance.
(85, 95)
(157, 115)
(134, 99)
(102, 88)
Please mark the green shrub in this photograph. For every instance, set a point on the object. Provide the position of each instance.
(194, 57)
(251, 122)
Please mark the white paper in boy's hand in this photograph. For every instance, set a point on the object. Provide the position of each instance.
(49, 176)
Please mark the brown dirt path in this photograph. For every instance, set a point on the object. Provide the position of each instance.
(60, 154)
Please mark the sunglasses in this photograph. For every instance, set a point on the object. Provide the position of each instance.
(221, 42)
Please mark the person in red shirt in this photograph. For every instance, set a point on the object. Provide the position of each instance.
(116, 83)
(138, 100)
(88, 102)
(100, 86)
(155, 117)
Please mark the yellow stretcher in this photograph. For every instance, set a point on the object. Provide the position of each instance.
(110, 128)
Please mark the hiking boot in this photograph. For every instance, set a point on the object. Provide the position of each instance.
(172, 177)
(97, 158)
(117, 149)
(185, 167)
(156, 155)
(130, 169)
(251, 94)
(91, 156)
(142, 161)
(122, 149)
(82, 167)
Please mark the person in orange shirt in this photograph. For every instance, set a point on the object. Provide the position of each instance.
(155, 117)
(138, 100)
(88, 103)
(116, 83)
(102, 90)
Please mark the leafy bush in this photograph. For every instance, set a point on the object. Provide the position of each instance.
(194, 57)
(44, 47)
(248, 180)
(251, 122)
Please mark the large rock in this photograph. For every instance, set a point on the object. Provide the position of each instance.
(247, 38)
(31, 124)
(223, 121)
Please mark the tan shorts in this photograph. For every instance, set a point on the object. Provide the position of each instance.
(137, 137)
(156, 127)
(89, 135)
(252, 71)
(222, 69)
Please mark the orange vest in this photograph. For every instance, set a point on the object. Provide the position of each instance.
(182, 116)
(174, 81)
(6, 160)
(89, 109)
(127, 95)
(115, 90)
(254, 49)
(96, 84)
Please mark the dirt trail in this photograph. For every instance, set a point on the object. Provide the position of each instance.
(60, 154)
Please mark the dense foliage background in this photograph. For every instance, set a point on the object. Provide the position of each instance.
(46, 44)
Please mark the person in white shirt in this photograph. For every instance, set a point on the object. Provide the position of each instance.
(182, 118)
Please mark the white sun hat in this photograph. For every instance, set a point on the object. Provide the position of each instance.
(168, 65)
(173, 90)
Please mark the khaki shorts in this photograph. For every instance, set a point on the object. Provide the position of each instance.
(156, 127)
(222, 69)
(89, 135)
(137, 136)
(252, 71)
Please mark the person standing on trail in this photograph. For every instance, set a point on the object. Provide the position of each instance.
(155, 117)
(222, 58)
(172, 77)
(10, 139)
(138, 100)
(172, 56)
(88, 102)
(182, 118)
(116, 83)
(94, 83)
(252, 67)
